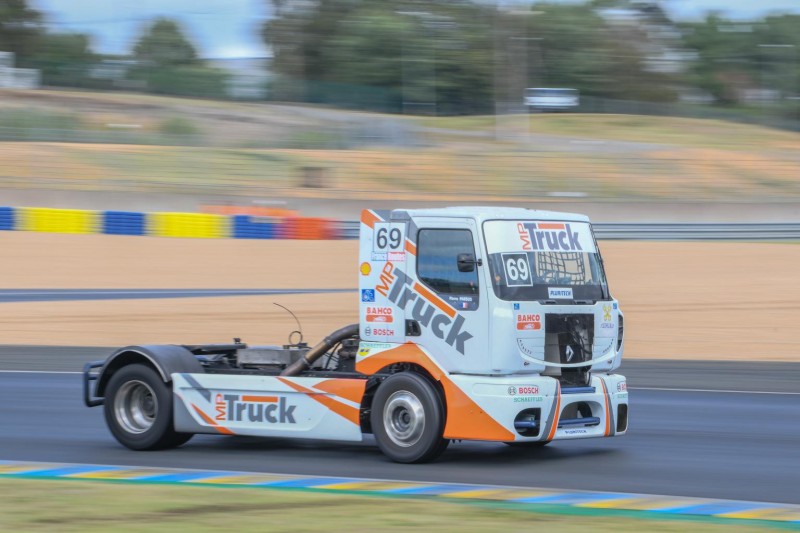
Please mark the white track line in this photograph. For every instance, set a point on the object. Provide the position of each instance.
(716, 390)
(39, 372)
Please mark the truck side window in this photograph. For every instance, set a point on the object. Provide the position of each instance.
(437, 266)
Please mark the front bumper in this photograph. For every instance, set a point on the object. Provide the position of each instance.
(537, 408)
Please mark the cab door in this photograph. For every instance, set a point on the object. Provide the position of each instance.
(450, 312)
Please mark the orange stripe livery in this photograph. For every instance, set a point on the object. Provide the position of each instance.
(435, 300)
(557, 415)
(345, 411)
(208, 420)
(608, 411)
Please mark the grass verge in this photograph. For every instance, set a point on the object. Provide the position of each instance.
(87, 506)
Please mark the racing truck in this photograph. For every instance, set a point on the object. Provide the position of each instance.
(475, 323)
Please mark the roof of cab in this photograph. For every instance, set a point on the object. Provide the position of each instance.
(482, 213)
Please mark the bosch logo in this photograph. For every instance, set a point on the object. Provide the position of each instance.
(622, 386)
(529, 390)
(512, 391)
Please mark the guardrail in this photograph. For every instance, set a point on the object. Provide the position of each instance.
(670, 232)
(204, 225)
(699, 232)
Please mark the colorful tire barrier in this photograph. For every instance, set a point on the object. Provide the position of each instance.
(166, 224)
(124, 223)
(255, 227)
(47, 220)
(7, 218)
(197, 225)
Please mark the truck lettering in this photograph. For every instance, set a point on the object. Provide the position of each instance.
(439, 321)
(219, 407)
(549, 237)
(456, 336)
(240, 408)
(402, 294)
(424, 318)
(524, 236)
(386, 278)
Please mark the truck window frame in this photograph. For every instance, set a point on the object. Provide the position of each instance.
(424, 280)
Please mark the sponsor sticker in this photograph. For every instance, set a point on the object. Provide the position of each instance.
(516, 307)
(607, 318)
(528, 399)
(366, 348)
(529, 322)
(367, 295)
(379, 314)
(622, 386)
(365, 269)
(564, 293)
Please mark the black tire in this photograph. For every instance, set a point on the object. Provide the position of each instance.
(398, 403)
(138, 410)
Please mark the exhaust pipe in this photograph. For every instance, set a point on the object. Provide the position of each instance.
(305, 362)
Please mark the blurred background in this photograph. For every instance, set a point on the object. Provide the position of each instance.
(323, 104)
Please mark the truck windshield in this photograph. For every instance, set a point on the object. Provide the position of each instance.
(544, 260)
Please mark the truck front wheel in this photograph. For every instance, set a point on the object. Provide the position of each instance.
(138, 410)
(408, 419)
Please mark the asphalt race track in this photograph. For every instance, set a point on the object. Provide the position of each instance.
(730, 430)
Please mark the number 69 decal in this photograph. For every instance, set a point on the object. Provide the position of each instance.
(517, 269)
(389, 238)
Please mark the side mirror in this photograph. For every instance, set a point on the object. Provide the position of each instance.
(467, 262)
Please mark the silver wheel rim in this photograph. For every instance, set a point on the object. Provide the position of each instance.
(136, 406)
(404, 418)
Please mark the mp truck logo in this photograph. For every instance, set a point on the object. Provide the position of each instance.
(440, 318)
(253, 408)
(548, 237)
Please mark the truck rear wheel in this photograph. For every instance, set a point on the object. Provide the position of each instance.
(408, 419)
(138, 410)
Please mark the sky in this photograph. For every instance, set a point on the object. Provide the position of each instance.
(230, 28)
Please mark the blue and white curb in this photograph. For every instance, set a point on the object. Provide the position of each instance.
(664, 505)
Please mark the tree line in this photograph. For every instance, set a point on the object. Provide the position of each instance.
(163, 60)
(454, 56)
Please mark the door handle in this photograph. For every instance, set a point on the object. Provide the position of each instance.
(413, 329)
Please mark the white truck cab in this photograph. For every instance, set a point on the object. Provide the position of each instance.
(510, 305)
(475, 323)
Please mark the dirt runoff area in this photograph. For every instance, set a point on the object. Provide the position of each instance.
(704, 300)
